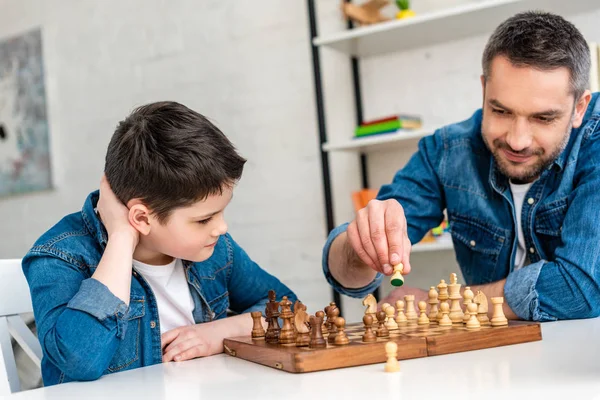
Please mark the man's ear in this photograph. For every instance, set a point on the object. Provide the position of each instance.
(581, 108)
(139, 216)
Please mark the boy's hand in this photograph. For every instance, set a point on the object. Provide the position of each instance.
(114, 214)
(379, 236)
(204, 339)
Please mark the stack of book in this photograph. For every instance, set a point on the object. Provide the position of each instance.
(389, 124)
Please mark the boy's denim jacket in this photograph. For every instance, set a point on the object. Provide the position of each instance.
(86, 331)
(454, 170)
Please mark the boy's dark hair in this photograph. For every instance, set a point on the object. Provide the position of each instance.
(169, 157)
(544, 41)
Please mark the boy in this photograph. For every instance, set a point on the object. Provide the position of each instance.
(146, 272)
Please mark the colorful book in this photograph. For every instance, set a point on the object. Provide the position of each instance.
(387, 126)
(404, 117)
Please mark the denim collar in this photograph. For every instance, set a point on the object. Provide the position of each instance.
(92, 220)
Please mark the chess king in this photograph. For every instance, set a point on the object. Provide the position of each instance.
(519, 181)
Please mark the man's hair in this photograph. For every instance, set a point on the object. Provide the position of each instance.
(543, 41)
(169, 157)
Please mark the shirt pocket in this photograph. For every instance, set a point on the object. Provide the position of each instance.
(548, 226)
(477, 246)
(219, 306)
(129, 349)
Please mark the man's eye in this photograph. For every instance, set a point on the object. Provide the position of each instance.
(498, 111)
(546, 120)
(205, 221)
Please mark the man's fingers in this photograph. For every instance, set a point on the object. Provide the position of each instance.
(406, 268)
(376, 216)
(362, 223)
(194, 352)
(395, 230)
(354, 239)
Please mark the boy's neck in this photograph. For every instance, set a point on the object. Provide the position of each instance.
(150, 257)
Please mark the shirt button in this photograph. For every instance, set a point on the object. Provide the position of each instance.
(472, 243)
(531, 250)
(152, 324)
(530, 200)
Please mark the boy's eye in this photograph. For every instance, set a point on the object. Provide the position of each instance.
(205, 221)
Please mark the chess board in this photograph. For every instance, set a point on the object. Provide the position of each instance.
(413, 341)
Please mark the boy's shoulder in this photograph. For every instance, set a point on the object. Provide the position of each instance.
(71, 240)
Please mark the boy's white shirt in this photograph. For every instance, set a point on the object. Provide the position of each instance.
(172, 293)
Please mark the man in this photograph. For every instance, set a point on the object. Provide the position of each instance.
(520, 181)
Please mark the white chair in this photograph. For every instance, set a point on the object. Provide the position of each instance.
(14, 300)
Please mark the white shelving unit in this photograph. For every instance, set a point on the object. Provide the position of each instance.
(378, 142)
(476, 17)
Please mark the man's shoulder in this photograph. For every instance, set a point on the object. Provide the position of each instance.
(69, 239)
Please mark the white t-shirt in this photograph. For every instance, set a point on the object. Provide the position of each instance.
(173, 297)
(518, 193)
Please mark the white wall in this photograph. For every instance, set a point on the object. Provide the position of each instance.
(246, 65)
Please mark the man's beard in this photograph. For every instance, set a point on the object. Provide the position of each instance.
(532, 172)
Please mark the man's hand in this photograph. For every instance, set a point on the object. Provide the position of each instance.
(379, 236)
(114, 214)
(204, 339)
(399, 293)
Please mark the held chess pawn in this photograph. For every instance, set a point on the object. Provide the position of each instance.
(498, 318)
(390, 323)
(397, 279)
(423, 320)
(433, 304)
(391, 351)
(473, 322)
(369, 336)
(445, 310)
(258, 332)
(401, 318)
(340, 337)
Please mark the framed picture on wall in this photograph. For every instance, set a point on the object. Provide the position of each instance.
(24, 133)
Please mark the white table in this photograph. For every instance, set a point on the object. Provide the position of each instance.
(564, 365)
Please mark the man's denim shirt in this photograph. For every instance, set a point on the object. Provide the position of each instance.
(86, 331)
(454, 170)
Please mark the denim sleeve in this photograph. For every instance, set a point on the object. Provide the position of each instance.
(568, 287)
(356, 292)
(418, 189)
(249, 284)
(79, 321)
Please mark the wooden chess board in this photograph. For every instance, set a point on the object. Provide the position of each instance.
(413, 341)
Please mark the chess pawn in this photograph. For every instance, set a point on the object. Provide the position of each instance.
(468, 298)
(369, 336)
(334, 312)
(389, 322)
(391, 351)
(411, 314)
(316, 336)
(384, 306)
(401, 318)
(340, 337)
(423, 320)
(445, 320)
(382, 331)
(433, 304)
(498, 318)
(443, 296)
(258, 332)
(473, 322)
(397, 279)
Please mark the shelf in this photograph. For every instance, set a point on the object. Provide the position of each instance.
(376, 142)
(432, 246)
(446, 25)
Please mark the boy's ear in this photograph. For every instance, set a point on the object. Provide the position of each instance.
(139, 216)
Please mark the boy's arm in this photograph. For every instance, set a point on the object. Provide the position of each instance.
(80, 322)
(249, 284)
(204, 339)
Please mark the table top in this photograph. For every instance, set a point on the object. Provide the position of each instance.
(565, 365)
